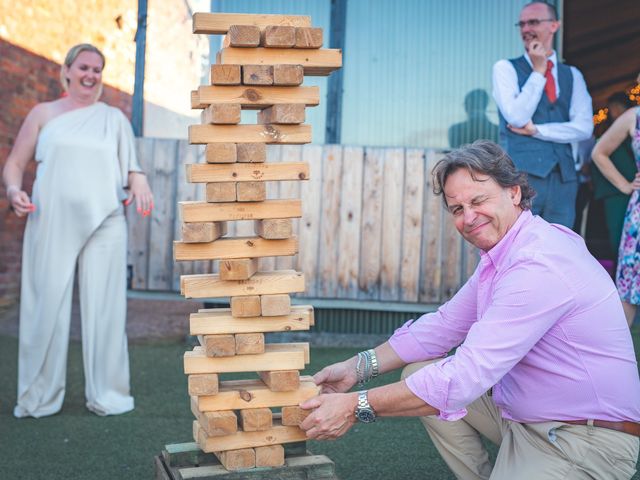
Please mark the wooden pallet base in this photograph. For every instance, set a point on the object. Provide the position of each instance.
(184, 461)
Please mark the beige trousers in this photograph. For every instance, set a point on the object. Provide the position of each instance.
(540, 451)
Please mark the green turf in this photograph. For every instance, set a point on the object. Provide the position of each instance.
(75, 444)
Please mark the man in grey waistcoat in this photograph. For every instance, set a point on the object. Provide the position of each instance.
(543, 105)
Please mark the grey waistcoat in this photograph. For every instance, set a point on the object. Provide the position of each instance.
(538, 157)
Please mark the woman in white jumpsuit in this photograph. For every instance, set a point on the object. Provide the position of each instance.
(86, 160)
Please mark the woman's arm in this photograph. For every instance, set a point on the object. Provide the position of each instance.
(23, 150)
(611, 140)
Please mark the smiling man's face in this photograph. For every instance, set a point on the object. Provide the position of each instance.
(544, 31)
(482, 210)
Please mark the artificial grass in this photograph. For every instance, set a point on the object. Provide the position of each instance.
(76, 444)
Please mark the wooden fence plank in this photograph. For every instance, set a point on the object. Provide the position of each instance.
(309, 231)
(290, 189)
(328, 253)
(371, 244)
(138, 225)
(350, 220)
(431, 237)
(392, 224)
(414, 184)
(273, 155)
(451, 258)
(163, 185)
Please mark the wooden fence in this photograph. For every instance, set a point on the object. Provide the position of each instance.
(371, 227)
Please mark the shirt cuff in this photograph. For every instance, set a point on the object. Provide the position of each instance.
(406, 345)
(434, 390)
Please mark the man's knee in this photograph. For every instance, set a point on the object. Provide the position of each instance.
(414, 367)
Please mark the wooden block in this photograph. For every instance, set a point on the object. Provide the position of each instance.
(249, 343)
(321, 61)
(206, 212)
(261, 283)
(243, 36)
(278, 434)
(240, 394)
(257, 74)
(219, 321)
(294, 415)
(256, 97)
(308, 37)
(275, 305)
(215, 424)
(245, 306)
(238, 269)
(289, 346)
(272, 134)
(220, 192)
(240, 459)
(252, 152)
(195, 100)
(274, 228)
(283, 113)
(221, 114)
(203, 384)
(255, 419)
(251, 191)
(278, 36)
(246, 172)
(282, 380)
(218, 345)
(238, 247)
(220, 153)
(278, 358)
(197, 232)
(220, 23)
(269, 456)
(225, 74)
(287, 75)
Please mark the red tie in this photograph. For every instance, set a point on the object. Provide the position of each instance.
(550, 86)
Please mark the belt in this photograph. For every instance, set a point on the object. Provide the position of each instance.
(626, 427)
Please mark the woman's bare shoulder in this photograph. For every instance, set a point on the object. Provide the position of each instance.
(42, 112)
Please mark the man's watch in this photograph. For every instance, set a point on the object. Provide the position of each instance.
(364, 412)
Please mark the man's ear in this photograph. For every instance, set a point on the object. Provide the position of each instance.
(555, 26)
(515, 193)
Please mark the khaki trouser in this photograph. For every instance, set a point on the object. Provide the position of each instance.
(540, 451)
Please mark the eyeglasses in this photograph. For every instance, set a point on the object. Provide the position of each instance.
(534, 22)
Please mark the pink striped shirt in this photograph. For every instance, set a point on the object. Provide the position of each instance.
(541, 322)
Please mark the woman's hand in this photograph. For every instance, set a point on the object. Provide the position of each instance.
(337, 378)
(140, 191)
(19, 201)
(332, 417)
(635, 183)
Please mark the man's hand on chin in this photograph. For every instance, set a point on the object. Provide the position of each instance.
(529, 129)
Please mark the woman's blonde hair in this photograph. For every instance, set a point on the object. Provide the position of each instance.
(72, 54)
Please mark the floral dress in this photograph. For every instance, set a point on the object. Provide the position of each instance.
(628, 273)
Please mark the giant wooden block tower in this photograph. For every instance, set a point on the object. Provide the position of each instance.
(260, 67)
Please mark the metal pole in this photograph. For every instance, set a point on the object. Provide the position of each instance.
(137, 114)
(335, 83)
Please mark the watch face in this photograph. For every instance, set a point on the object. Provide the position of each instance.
(366, 415)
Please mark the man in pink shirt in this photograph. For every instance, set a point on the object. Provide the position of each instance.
(545, 366)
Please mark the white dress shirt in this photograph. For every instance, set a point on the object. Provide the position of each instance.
(518, 106)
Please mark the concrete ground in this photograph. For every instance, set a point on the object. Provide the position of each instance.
(154, 317)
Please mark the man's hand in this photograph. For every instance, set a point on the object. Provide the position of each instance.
(332, 417)
(538, 57)
(529, 129)
(337, 378)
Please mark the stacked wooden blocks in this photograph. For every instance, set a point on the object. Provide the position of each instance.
(261, 66)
